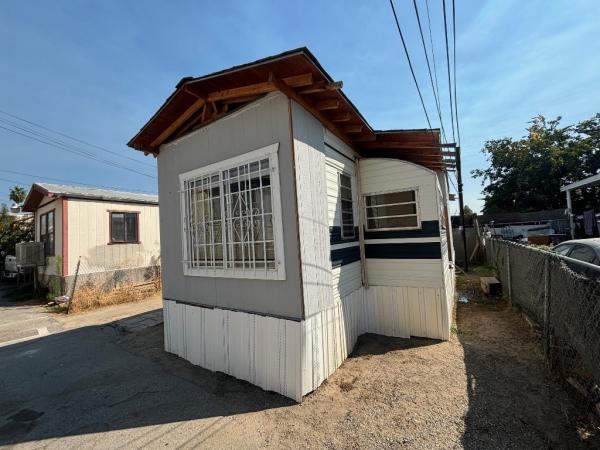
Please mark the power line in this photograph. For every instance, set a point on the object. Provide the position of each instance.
(435, 96)
(81, 141)
(437, 87)
(53, 143)
(454, 57)
(61, 180)
(410, 63)
(448, 66)
(64, 145)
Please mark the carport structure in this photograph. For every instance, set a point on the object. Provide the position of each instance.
(594, 180)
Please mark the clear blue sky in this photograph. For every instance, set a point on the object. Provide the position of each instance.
(98, 70)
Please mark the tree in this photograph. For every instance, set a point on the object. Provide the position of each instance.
(526, 174)
(17, 194)
(468, 211)
(12, 231)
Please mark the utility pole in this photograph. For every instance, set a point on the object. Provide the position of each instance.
(461, 205)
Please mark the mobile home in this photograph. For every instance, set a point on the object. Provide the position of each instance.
(289, 226)
(105, 236)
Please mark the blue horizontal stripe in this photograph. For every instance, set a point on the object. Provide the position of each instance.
(425, 250)
(343, 256)
(429, 228)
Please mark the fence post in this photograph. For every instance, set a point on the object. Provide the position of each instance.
(547, 303)
(509, 277)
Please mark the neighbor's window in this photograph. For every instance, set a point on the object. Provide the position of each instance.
(124, 227)
(230, 220)
(47, 232)
(346, 200)
(392, 210)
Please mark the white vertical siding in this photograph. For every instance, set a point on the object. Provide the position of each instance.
(313, 226)
(89, 237)
(264, 351)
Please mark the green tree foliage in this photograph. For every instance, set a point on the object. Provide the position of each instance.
(17, 194)
(526, 174)
(13, 230)
(468, 211)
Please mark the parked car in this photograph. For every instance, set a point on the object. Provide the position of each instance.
(587, 250)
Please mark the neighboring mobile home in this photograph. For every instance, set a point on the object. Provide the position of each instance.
(290, 226)
(114, 235)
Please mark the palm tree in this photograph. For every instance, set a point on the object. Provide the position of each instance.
(17, 194)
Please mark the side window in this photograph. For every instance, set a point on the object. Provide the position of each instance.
(562, 249)
(47, 232)
(583, 253)
(346, 204)
(124, 227)
(392, 210)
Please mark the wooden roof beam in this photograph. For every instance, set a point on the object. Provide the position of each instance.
(310, 107)
(401, 145)
(343, 117)
(352, 129)
(194, 107)
(321, 86)
(326, 105)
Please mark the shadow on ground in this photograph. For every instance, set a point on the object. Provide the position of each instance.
(101, 378)
(514, 400)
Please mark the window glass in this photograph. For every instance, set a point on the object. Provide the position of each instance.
(583, 253)
(391, 198)
(562, 249)
(392, 210)
(229, 218)
(346, 205)
(124, 227)
(47, 232)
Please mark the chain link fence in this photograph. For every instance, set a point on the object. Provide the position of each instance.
(563, 303)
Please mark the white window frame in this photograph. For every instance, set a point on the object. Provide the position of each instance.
(346, 174)
(278, 273)
(392, 191)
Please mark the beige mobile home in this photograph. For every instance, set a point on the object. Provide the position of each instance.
(290, 226)
(113, 235)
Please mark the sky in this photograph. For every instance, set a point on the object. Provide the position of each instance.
(97, 71)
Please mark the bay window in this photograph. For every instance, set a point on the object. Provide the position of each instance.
(232, 219)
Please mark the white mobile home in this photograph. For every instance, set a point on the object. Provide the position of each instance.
(290, 226)
(113, 235)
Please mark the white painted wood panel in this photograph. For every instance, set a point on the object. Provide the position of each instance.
(380, 175)
(89, 237)
(405, 272)
(264, 351)
(311, 194)
(346, 279)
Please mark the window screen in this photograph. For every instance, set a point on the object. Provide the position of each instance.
(346, 205)
(392, 210)
(123, 227)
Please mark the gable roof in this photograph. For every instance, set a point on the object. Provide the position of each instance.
(39, 190)
(199, 101)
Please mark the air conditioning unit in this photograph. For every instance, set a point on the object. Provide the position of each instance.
(30, 254)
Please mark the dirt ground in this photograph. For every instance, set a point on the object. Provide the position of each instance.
(488, 387)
